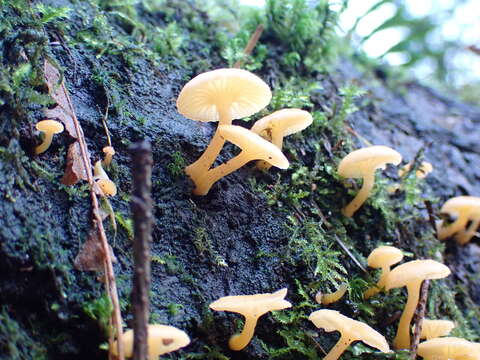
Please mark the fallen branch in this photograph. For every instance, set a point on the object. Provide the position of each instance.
(418, 319)
(141, 205)
(250, 46)
(109, 274)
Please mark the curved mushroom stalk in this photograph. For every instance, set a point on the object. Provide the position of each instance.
(49, 128)
(201, 166)
(47, 141)
(253, 148)
(362, 196)
(445, 232)
(342, 344)
(379, 285)
(464, 237)
(238, 341)
(402, 339)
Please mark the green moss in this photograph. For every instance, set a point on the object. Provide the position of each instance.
(99, 309)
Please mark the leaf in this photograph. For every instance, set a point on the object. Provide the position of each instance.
(75, 170)
(64, 112)
(91, 256)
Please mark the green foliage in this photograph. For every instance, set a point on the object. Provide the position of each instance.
(177, 165)
(204, 246)
(168, 41)
(349, 93)
(99, 309)
(50, 13)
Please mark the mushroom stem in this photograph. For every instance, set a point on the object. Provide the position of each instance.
(342, 344)
(445, 232)
(277, 140)
(464, 237)
(402, 339)
(374, 290)
(47, 141)
(204, 184)
(368, 182)
(238, 341)
(205, 161)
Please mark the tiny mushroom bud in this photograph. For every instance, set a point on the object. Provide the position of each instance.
(49, 128)
(382, 257)
(220, 95)
(424, 169)
(362, 163)
(162, 339)
(411, 275)
(350, 331)
(281, 123)
(251, 307)
(465, 209)
(109, 151)
(327, 299)
(435, 328)
(253, 148)
(100, 177)
(448, 348)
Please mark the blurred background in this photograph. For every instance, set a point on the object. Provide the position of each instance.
(434, 41)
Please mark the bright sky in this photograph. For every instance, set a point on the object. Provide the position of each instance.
(462, 27)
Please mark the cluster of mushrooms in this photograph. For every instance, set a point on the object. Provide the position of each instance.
(226, 94)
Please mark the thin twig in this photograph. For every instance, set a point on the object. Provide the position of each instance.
(342, 245)
(141, 205)
(418, 319)
(250, 46)
(98, 221)
(431, 217)
(104, 122)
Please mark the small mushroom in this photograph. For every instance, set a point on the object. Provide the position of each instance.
(253, 148)
(327, 299)
(49, 128)
(162, 339)
(362, 163)
(109, 151)
(251, 307)
(448, 348)
(435, 328)
(350, 331)
(220, 95)
(382, 257)
(465, 209)
(424, 169)
(411, 274)
(281, 123)
(101, 178)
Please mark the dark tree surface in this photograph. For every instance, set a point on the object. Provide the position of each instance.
(254, 232)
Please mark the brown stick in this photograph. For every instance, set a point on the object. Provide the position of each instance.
(141, 205)
(250, 45)
(98, 220)
(431, 217)
(418, 319)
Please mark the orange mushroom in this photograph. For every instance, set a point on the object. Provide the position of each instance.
(350, 331)
(49, 128)
(109, 151)
(465, 209)
(448, 348)
(253, 148)
(101, 178)
(362, 163)
(251, 307)
(382, 257)
(411, 274)
(327, 299)
(220, 95)
(281, 123)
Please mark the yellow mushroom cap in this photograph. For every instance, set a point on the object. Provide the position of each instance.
(285, 121)
(108, 187)
(50, 126)
(109, 150)
(367, 160)
(416, 270)
(435, 328)
(384, 256)
(253, 305)
(242, 92)
(162, 339)
(254, 145)
(448, 348)
(462, 205)
(331, 320)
